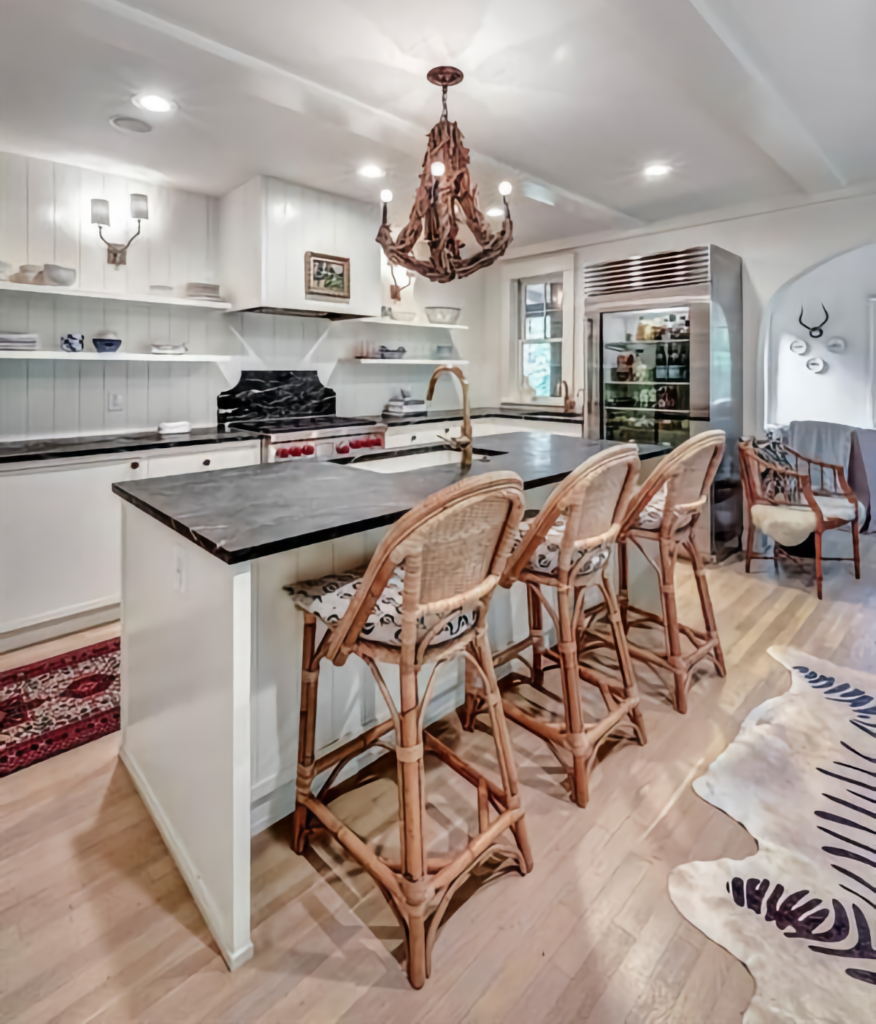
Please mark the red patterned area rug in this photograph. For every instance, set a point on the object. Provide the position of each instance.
(57, 704)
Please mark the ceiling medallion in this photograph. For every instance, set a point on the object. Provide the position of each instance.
(444, 199)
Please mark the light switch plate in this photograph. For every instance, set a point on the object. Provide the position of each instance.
(115, 402)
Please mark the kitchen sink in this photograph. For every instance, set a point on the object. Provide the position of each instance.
(404, 460)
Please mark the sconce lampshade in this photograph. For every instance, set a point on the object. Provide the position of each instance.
(100, 212)
(139, 206)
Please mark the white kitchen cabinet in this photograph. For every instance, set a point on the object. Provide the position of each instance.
(414, 435)
(501, 425)
(60, 529)
(227, 457)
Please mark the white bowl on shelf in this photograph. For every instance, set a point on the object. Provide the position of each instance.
(403, 316)
(27, 274)
(62, 276)
(442, 314)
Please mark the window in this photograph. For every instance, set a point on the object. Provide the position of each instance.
(540, 333)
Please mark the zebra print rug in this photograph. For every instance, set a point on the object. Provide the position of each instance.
(801, 912)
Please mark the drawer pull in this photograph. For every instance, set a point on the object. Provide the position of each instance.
(206, 462)
(135, 465)
(413, 437)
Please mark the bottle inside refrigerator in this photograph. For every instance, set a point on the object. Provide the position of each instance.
(646, 375)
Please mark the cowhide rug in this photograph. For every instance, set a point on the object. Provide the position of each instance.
(801, 912)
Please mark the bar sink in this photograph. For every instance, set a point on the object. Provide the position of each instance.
(404, 460)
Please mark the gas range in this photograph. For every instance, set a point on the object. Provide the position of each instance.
(317, 438)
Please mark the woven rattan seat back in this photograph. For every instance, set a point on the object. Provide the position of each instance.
(685, 476)
(452, 548)
(590, 503)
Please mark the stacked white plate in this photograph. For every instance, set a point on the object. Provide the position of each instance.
(12, 342)
(201, 290)
(169, 350)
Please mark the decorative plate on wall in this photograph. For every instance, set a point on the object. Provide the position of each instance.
(836, 345)
(816, 365)
(799, 347)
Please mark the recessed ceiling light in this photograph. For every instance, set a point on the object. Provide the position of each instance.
(495, 211)
(157, 104)
(657, 170)
(130, 124)
(371, 171)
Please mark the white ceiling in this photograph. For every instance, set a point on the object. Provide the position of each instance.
(746, 99)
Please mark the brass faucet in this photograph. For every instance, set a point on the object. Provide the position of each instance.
(463, 442)
(568, 403)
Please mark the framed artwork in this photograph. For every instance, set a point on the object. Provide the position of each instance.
(326, 277)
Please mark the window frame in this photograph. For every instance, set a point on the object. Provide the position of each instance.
(516, 274)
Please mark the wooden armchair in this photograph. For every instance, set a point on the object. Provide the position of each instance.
(791, 496)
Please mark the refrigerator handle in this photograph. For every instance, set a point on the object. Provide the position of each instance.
(700, 361)
(593, 370)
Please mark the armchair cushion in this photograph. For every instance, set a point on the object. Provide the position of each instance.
(790, 525)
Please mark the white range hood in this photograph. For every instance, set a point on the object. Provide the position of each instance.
(267, 227)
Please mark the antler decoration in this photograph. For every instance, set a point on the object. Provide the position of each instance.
(815, 332)
(440, 201)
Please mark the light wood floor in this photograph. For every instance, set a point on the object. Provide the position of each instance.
(97, 925)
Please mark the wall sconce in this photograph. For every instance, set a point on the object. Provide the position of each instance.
(117, 255)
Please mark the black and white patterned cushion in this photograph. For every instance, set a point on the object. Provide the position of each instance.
(651, 516)
(774, 484)
(329, 597)
(546, 558)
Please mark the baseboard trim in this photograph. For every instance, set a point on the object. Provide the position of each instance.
(50, 629)
(202, 898)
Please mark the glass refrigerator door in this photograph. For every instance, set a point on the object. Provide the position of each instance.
(646, 375)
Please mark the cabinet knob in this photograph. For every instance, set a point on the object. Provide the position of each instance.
(413, 437)
(135, 465)
(206, 462)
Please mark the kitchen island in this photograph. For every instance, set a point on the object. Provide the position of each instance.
(211, 643)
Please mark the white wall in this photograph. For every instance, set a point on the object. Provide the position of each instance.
(775, 245)
(45, 217)
(843, 391)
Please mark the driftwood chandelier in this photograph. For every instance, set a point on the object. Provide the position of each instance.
(444, 199)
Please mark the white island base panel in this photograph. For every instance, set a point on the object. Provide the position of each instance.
(211, 668)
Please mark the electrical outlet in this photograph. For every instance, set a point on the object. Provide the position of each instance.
(115, 402)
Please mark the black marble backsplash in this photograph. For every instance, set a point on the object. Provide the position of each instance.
(274, 394)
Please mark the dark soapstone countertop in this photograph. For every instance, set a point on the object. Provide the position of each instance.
(511, 412)
(111, 444)
(253, 511)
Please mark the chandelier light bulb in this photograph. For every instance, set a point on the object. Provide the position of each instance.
(505, 188)
(437, 169)
(386, 195)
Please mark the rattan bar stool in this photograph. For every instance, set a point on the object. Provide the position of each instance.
(421, 601)
(567, 547)
(666, 510)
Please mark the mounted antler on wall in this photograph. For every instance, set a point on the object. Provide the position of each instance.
(445, 193)
(818, 330)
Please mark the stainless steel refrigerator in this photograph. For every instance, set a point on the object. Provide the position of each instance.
(663, 337)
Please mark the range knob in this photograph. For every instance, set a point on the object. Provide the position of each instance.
(295, 451)
(282, 453)
(374, 442)
(342, 448)
(357, 443)
(308, 449)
